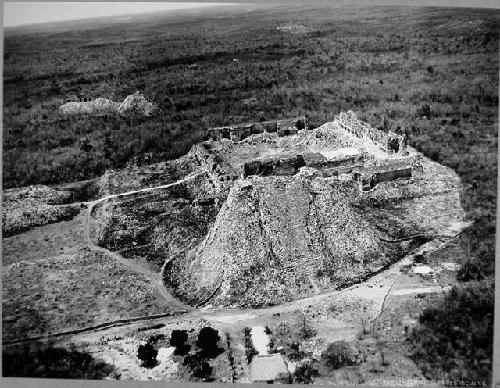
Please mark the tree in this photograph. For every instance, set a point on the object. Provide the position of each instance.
(339, 354)
(178, 339)
(207, 342)
(199, 367)
(304, 373)
(306, 331)
(147, 354)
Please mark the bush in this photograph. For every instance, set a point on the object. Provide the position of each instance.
(469, 271)
(339, 354)
(293, 352)
(305, 330)
(147, 354)
(304, 373)
(199, 367)
(249, 348)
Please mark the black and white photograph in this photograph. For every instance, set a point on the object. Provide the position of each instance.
(287, 192)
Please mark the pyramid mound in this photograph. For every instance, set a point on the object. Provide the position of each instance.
(288, 214)
(276, 239)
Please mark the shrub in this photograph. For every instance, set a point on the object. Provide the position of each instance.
(198, 366)
(147, 354)
(339, 354)
(469, 271)
(304, 373)
(305, 329)
(293, 352)
(156, 337)
(249, 348)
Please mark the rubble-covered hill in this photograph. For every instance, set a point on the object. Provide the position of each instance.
(291, 231)
(279, 238)
(157, 226)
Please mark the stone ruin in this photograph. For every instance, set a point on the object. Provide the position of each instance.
(349, 163)
(389, 142)
(134, 104)
(239, 132)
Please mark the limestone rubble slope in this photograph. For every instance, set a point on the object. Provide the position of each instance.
(276, 237)
(280, 238)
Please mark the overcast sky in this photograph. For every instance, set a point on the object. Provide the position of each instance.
(19, 13)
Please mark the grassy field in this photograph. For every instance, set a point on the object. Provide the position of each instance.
(431, 73)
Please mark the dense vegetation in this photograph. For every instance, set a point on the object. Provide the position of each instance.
(428, 72)
(385, 62)
(454, 340)
(45, 360)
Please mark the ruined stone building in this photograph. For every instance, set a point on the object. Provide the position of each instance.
(239, 132)
(84, 98)
(389, 142)
(347, 163)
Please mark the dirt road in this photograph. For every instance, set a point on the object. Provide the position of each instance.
(130, 264)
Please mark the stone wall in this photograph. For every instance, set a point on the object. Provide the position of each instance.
(369, 177)
(290, 165)
(239, 132)
(287, 165)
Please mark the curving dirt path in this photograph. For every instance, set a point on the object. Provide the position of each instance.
(134, 266)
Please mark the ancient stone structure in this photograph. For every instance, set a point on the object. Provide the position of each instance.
(370, 177)
(389, 142)
(241, 131)
(134, 104)
(221, 173)
(285, 165)
(84, 98)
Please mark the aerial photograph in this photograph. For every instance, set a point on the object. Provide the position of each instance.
(294, 192)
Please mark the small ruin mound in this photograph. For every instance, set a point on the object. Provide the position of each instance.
(134, 104)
